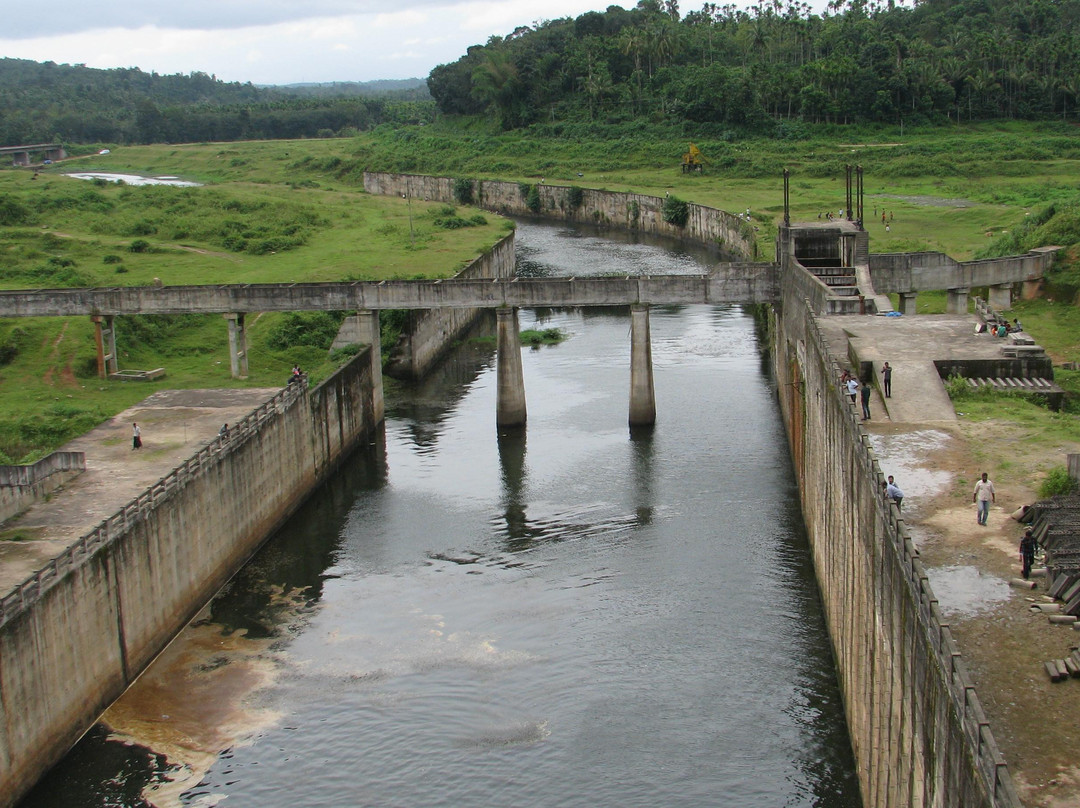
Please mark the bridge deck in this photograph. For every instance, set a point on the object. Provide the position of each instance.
(728, 283)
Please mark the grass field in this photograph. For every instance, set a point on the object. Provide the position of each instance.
(286, 211)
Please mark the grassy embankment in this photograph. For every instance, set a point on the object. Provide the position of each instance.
(954, 190)
(60, 232)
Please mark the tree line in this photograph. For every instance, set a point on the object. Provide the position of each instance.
(879, 61)
(45, 101)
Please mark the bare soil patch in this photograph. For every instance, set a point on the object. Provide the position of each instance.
(1036, 723)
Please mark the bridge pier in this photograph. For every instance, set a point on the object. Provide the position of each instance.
(956, 301)
(1000, 296)
(510, 407)
(238, 361)
(908, 302)
(105, 337)
(370, 333)
(642, 394)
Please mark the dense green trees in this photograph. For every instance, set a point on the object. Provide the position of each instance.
(879, 61)
(76, 104)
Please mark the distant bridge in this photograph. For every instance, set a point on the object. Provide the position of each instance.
(20, 155)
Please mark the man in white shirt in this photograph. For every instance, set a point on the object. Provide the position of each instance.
(983, 496)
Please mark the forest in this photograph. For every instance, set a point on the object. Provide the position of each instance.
(76, 104)
(777, 62)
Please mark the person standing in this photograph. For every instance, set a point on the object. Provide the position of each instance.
(893, 492)
(1028, 546)
(886, 379)
(865, 395)
(136, 436)
(983, 496)
(852, 385)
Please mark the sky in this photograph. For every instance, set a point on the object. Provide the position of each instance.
(272, 41)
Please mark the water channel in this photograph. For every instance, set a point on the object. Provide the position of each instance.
(572, 616)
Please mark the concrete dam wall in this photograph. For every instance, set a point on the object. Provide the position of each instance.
(626, 211)
(74, 636)
(919, 734)
(431, 331)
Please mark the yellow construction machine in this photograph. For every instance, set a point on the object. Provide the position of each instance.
(693, 160)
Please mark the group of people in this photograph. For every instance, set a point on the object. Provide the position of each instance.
(982, 496)
(1000, 329)
(859, 392)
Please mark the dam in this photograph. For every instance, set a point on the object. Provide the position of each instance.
(806, 369)
(564, 616)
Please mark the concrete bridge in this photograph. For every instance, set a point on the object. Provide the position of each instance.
(727, 283)
(839, 277)
(20, 155)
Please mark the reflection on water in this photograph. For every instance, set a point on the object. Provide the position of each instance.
(566, 616)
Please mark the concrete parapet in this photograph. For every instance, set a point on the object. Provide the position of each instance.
(926, 271)
(22, 486)
(79, 631)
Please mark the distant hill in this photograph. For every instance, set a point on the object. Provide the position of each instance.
(45, 101)
(405, 89)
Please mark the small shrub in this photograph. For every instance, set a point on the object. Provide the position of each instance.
(532, 201)
(452, 223)
(317, 329)
(139, 246)
(463, 191)
(111, 259)
(143, 228)
(574, 197)
(958, 388)
(345, 353)
(676, 211)
(479, 220)
(120, 270)
(1057, 483)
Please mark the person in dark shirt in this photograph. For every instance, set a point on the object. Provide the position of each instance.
(1028, 545)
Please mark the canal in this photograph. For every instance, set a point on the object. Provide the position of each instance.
(567, 616)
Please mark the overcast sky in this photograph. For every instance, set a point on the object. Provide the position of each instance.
(271, 41)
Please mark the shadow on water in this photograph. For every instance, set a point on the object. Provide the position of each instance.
(426, 403)
(131, 769)
(254, 605)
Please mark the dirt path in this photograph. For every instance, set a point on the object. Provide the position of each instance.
(1036, 723)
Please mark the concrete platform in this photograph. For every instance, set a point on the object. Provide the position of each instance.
(910, 344)
(174, 423)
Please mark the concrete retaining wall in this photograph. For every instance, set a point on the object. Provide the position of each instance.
(74, 636)
(925, 271)
(431, 331)
(919, 734)
(708, 226)
(22, 486)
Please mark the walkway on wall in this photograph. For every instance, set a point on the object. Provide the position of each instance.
(910, 345)
(175, 425)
